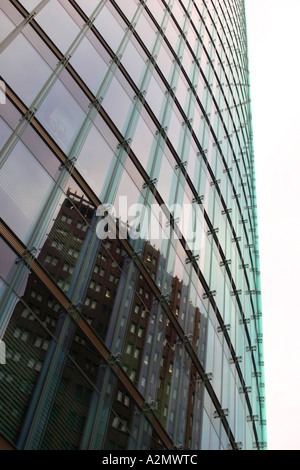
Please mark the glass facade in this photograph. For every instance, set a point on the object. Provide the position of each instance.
(128, 342)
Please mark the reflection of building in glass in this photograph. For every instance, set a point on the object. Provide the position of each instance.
(127, 343)
(61, 255)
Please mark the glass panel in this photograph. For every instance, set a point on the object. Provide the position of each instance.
(61, 115)
(155, 96)
(23, 69)
(172, 34)
(24, 186)
(142, 142)
(95, 159)
(41, 151)
(133, 62)
(89, 65)
(117, 104)
(174, 129)
(164, 61)
(165, 180)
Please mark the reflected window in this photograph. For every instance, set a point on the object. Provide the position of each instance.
(155, 96)
(165, 61)
(164, 184)
(146, 31)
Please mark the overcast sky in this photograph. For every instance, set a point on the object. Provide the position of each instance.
(274, 51)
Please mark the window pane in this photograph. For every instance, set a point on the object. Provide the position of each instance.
(89, 65)
(117, 103)
(95, 160)
(23, 69)
(61, 115)
(24, 185)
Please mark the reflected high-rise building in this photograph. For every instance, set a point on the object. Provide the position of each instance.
(139, 339)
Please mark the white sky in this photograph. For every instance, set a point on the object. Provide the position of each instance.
(274, 51)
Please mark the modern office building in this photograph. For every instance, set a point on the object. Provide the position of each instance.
(130, 303)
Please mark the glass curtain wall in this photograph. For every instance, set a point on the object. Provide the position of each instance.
(139, 339)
